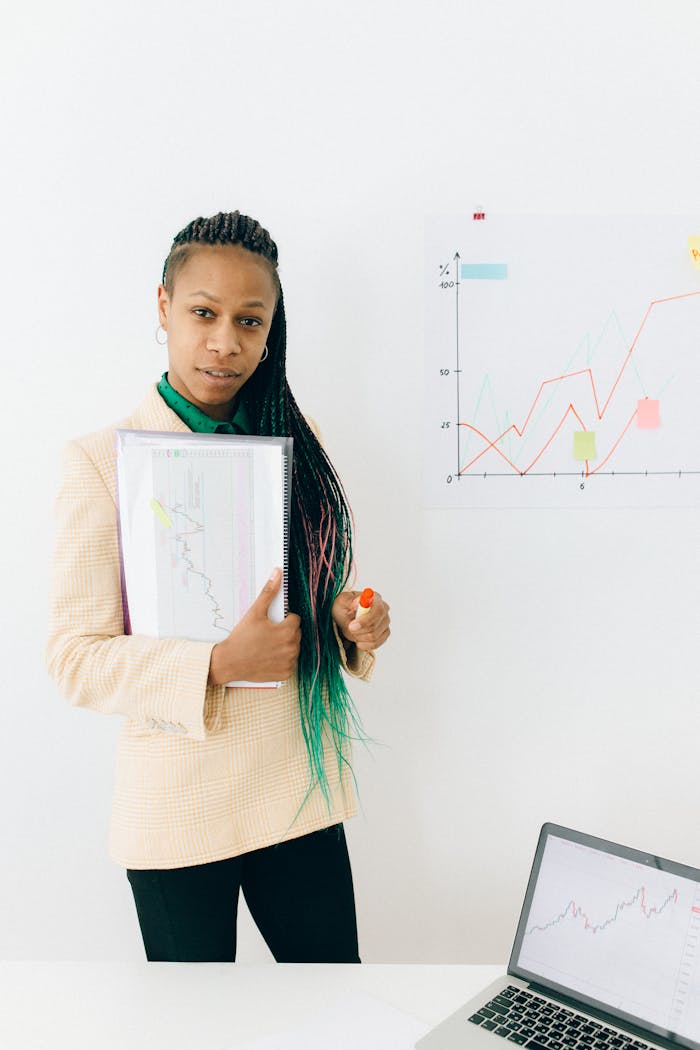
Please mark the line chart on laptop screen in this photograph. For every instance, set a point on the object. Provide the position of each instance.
(617, 931)
(562, 361)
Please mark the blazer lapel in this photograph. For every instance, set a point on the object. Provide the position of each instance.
(154, 414)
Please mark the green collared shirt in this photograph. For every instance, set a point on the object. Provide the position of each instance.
(196, 419)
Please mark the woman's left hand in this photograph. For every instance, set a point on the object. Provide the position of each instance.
(372, 628)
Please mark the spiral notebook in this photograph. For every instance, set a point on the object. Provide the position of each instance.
(203, 520)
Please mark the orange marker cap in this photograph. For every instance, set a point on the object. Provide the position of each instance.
(366, 597)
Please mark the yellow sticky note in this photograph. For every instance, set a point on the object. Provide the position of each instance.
(694, 249)
(584, 445)
(160, 513)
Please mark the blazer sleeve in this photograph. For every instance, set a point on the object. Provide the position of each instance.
(357, 662)
(161, 683)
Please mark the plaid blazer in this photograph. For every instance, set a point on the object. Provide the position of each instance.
(203, 772)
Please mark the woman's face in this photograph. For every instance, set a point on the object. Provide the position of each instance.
(217, 318)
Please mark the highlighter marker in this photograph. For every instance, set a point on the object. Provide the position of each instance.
(366, 599)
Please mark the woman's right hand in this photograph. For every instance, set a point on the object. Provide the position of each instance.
(258, 650)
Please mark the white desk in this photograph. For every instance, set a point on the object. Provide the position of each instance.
(212, 1006)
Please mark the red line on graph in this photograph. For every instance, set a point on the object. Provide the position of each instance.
(602, 464)
(576, 912)
(558, 379)
(640, 896)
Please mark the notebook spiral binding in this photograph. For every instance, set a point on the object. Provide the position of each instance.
(288, 460)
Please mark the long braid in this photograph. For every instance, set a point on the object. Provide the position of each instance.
(320, 547)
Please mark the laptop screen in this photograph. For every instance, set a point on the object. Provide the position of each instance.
(616, 929)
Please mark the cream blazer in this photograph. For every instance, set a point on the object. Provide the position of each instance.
(203, 772)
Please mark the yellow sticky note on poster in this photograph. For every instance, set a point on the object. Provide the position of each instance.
(694, 249)
(584, 445)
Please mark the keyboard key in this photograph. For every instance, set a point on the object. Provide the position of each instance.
(527, 1020)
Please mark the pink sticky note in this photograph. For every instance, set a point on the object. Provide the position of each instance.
(648, 414)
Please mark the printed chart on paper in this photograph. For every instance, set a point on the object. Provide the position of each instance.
(562, 361)
(201, 594)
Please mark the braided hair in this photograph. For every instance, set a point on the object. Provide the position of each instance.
(320, 541)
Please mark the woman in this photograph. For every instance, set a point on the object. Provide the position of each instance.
(223, 788)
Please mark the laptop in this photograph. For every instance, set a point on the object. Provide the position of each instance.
(606, 956)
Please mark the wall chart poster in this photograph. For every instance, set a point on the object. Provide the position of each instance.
(562, 361)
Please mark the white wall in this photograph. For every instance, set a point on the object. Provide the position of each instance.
(339, 126)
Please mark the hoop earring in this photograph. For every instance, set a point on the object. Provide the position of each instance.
(159, 329)
(264, 355)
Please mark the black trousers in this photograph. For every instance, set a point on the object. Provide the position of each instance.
(299, 893)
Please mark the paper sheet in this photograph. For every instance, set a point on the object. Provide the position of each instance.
(203, 522)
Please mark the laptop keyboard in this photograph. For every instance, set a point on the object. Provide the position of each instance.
(525, 1018)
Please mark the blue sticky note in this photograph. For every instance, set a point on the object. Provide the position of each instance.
(484, 271)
